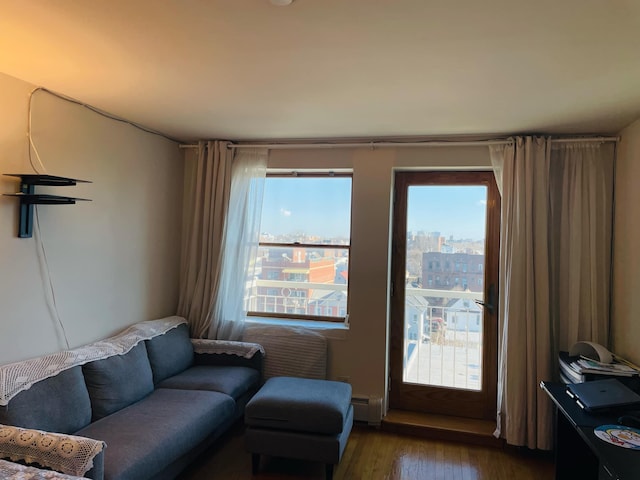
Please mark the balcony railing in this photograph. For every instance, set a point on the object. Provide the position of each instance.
(443, 328)
(320, 299)
(447, 351)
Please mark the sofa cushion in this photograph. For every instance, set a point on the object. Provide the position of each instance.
(145, 437)
(56, 404)
(300, 404)
(234, 381)
(170, 353)
(118, 381)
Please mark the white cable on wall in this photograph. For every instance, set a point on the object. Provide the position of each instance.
(102, 113)
(30, 137)
(39, 168)
(47, 282)
(45, 271)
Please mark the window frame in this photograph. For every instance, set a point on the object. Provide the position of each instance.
(284, 316)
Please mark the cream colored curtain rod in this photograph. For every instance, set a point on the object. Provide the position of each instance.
(426, 143)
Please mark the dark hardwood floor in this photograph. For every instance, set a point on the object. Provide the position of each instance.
(375, 454)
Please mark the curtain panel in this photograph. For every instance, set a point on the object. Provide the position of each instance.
(220, 237)
(555, 259)
(208, 186)
(240, 245)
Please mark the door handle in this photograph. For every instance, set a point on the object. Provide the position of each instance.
(490, 304)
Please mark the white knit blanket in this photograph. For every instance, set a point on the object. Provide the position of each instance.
(69, 454)
(14, 471)
(19, 376)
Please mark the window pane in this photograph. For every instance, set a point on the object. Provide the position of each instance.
(301, 281)
(306, 210)
(301, 277)
(445, 240)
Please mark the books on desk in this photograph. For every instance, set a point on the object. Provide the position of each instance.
(576, 369)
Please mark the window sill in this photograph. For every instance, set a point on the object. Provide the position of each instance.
(333, 330)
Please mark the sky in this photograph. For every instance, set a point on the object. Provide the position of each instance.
(451, 210)
(315, 206)
(321, 206)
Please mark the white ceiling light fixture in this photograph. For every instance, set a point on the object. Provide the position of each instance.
(281, 3)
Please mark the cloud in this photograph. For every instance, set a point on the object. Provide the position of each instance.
(482, 203)
(285, 213)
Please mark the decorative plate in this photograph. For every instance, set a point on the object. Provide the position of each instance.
(625, 437)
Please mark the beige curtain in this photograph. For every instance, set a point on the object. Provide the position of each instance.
(554, 270)
(582, 218)
(207, 186)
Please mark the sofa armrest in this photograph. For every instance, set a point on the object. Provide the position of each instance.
(96, 472)
(68, 454)
(224, 352)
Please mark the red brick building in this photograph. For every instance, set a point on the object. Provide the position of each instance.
(293, 265)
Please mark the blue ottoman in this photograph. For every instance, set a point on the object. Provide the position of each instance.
(299, 418)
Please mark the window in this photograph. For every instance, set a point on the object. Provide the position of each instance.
(272, 274)
(305, 238)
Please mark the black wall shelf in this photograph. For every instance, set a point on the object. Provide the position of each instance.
(28, 197)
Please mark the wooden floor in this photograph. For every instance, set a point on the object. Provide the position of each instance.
(375, 454)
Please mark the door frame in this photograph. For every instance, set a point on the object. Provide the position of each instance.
(442, 400)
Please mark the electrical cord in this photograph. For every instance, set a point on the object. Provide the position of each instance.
(50, 295)
(48, 283)
(101, 112)
(30, 137)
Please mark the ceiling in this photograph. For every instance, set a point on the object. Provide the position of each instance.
(246, 69)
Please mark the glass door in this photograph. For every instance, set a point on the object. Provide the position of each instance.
(445, 263)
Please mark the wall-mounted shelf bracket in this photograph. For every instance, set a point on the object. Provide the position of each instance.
(28, 197)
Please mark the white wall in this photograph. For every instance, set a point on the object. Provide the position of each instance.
(113, 261)
(361, 353)
(625, 321)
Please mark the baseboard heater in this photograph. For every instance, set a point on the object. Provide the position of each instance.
(367, 409)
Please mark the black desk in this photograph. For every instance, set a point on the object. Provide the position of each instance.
(579, 453)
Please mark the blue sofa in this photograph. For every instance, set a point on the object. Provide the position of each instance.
(155, 407)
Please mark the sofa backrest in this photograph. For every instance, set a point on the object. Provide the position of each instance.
(118, 381)
(57, 404)
(170, 353)
(50, 392)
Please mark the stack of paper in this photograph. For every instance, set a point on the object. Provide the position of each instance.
(587, 365)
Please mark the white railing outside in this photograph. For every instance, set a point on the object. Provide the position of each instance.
(286, 299)
(447, 357)
(447, 352)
